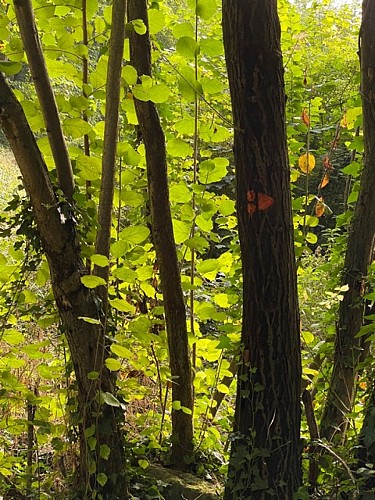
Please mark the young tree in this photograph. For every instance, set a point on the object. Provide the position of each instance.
(102, 461)
(162, 235)
(265, 456)
(349, 348)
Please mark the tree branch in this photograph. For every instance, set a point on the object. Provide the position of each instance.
(32, 166)
(42, 83)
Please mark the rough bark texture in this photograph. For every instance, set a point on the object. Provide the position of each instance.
(348, 348)
(32, 46)
(162, 233)
(265, 456)
(74, 301)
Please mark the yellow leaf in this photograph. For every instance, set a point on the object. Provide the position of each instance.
(306, 163)
(344, 121)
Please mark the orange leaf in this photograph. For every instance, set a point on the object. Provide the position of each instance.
(320, 207)
(324, 181)
(305, 117)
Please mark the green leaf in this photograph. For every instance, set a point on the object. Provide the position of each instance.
(112, 364)
(224, 389)
(213, 170)
(211, 85)
(181, 231)
(121, 351)
(183, 29)
(145, 272)
(135, 235)
(227, 207)
(129, 74)
(89, 167)
(76, 127)
(139, 26)
(12, 337)
(93, 375)
(176, 405)
(91, 281)
(101, 478)
(143, 464)
(188, 85)
(119, 248)
(122, 305)
(90, 431)
(109, 399)
(92, 321)
(180, 193)
(187, 47)
(211, 47)
(206, 225)
(130, 155)
(132, 199)
(159, 93)
(204, 8)
(10, 68)
(179, 148)
(125, 274)
(156, 21)
(105, 451)
(311, 238)
(99, 260)
(209, 268)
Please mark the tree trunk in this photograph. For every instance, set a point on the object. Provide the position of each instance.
(265, 456)
(348, 348)
(97, 419)
(162, 234)
(366, 450)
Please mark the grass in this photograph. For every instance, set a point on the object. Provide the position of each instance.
(8, 175)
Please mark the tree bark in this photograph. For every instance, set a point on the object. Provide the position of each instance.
(74, 302)
(265, 455)
(32, 46)
(162, 233)
(348, 348)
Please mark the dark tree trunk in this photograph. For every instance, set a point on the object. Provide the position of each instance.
(74, 302)
(265, 457)
(165, 248)
(348, 348)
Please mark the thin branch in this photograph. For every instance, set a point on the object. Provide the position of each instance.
(42, 83)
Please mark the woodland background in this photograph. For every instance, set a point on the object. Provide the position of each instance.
(120, 339)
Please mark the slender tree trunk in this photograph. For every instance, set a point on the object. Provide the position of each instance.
(265, 456)
(348, 348)
(116, 49)
(33, 48)
(162, 233)
(97, 419)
